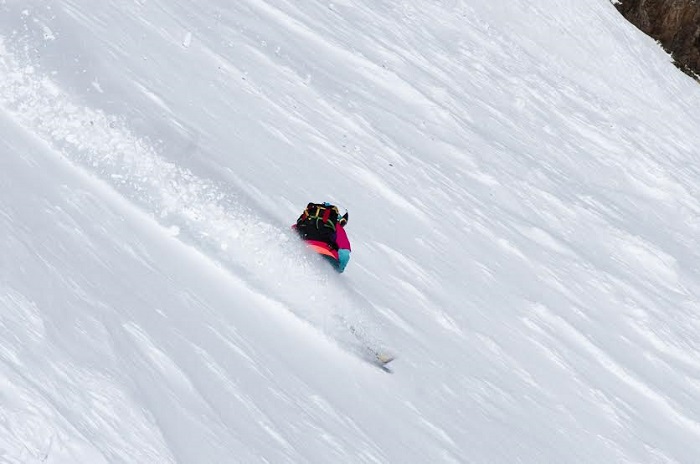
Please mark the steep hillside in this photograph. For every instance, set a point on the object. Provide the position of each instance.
(523, 194)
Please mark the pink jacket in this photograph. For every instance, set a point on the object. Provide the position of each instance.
(341, 238)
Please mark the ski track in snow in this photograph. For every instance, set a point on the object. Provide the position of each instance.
(115, 381)
(200, 211)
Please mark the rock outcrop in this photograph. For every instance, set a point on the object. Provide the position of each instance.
(674, 23)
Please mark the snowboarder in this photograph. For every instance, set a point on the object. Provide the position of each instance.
(322, 227)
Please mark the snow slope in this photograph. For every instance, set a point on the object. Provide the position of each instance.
(524, 219)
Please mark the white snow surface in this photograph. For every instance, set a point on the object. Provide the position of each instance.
(522, 181)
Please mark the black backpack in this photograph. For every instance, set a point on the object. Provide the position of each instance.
(318, 222)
